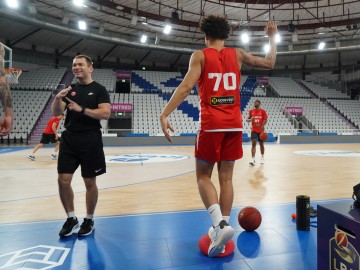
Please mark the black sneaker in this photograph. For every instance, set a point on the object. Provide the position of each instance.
(86, 227)
(70, 225)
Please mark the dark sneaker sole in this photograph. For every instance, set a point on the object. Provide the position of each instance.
(70, 233)
(33, 159)
(86, 234)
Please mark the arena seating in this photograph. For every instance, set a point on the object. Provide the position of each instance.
(28, 106)
(287, 87)
(324, 92)
(152, 90)
(349, 109)
(156, 82)
(40, 79)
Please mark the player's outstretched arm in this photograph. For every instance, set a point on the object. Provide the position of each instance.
(5, 97)
(267, 62)
(181, 92)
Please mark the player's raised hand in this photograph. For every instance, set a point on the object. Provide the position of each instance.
(63, 92)
(271, 29)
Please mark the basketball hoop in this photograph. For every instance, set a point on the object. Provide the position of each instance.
(13, 75)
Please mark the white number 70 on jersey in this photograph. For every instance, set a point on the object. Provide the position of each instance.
(229, 80)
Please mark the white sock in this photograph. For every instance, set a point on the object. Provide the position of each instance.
(55, 154)
(215, 213)
(88, 216)
(226, 218)
(71, 214)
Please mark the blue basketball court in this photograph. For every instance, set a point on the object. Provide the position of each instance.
(160, 241)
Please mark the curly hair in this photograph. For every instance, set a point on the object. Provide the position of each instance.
(215, 27)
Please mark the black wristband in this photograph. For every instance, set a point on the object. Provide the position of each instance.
(83, 109)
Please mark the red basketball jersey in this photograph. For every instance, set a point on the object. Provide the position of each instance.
(48, 129)
(258, 117)
(219, 90)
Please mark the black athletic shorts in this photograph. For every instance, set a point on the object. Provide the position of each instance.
(48, 138)
(85, 149)
(255, 136)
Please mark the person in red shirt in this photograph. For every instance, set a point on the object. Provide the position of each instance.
(219, 139)
(258, 118)
(49, 135)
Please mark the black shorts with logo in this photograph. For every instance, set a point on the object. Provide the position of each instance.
(255, 136)
(48, 138)
(85, 149)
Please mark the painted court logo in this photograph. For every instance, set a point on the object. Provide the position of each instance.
(329, 153)
(343, 255)
(144, 158)
(37, 257)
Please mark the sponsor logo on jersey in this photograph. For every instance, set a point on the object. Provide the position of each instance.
(226, 100)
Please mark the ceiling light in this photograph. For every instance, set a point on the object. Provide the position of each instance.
(267, 48)
(294, 37)
(82, 25)
(321, 45)
(143, 20)
(12, 3)
(134, 19)
(78, 3)
(65, 20)
(277, 38)
(157, 40)
(143, 38)
(245, 38)
(167, 29)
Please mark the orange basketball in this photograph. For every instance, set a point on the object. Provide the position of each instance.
(249, 218)
(263, 136)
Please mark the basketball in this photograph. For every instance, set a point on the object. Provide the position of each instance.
(263, 136)
(249, 218)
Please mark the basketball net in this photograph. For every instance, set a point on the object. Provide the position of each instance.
(13, 75)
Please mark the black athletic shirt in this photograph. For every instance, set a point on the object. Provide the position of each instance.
(88, 96)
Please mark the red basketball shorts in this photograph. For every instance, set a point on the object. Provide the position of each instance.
(218, 146)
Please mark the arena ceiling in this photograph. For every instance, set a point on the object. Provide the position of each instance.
(114, 27)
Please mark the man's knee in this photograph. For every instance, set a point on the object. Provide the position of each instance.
(64, 179)
(90, 182)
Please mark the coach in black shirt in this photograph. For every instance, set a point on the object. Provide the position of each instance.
(86, 102)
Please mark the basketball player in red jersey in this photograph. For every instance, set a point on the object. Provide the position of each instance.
(219, 139)
(258, 118)
(49, 135)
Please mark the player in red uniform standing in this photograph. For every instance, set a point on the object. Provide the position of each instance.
(49, 135)
(219, 139)
(258, 118)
